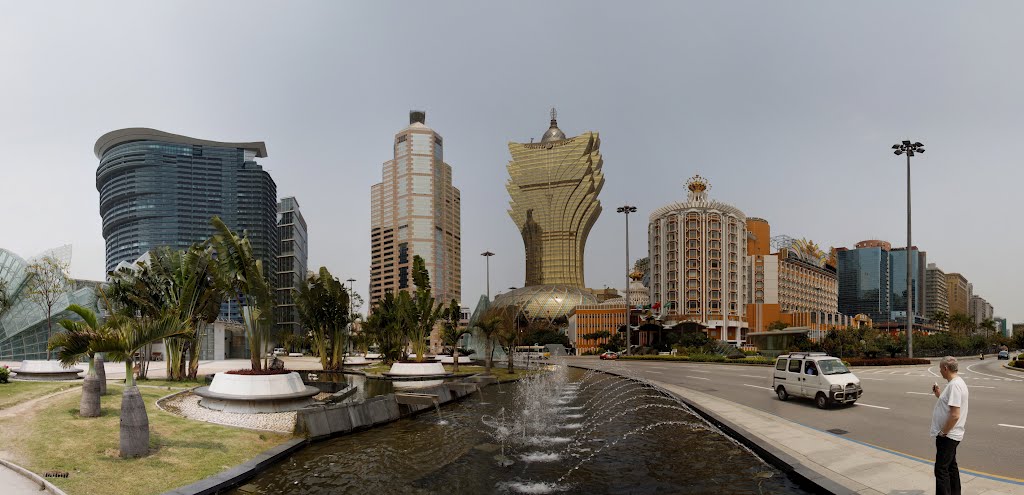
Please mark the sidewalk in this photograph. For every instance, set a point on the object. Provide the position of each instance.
(837, 464)
(15, 483)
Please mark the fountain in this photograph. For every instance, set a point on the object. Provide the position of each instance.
(566, 430)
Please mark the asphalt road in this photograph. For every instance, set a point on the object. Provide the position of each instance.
(894, 412)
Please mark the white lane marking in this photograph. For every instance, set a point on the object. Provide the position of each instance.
(971, 369)
(921, 393)
(700, 371)
(752, 376)
(1012, 426)
(868, 405)
(933, 373)
(876, 379)
(652, 371)
(697, 378)
(980, 386)
(756, 386)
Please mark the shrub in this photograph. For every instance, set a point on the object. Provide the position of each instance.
(1019, 363)
(885, 361)
(5, 373)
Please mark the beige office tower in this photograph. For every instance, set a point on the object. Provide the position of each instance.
(416, 211)
(554, 185)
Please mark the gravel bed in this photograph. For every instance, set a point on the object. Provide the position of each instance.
(187, 405)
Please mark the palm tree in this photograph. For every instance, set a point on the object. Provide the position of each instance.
(322, 304)
(453, 332)
(387, 323)
(961, 323)
(988, 325)
(240, 274)
(76, 342)
(508, 334)
(488, 327)
(940, 318)
(127, 336)
(424, 313)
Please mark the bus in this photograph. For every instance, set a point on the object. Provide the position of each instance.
(532, 352)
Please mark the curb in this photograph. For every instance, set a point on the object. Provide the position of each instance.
(806, 478)
(236, 475)
(1014, 368)
(43, 484)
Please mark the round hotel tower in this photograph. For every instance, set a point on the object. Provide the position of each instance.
(697, 253)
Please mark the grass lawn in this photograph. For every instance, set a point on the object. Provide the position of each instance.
(17, 391)
(182, 451)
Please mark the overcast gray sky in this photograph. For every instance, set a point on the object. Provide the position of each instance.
(788, 108)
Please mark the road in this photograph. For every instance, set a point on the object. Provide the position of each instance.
(894, 412)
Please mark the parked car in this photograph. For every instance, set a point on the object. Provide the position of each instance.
(609, 355)
(1003, 355)
(815, 375)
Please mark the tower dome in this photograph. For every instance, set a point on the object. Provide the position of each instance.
(553, 133)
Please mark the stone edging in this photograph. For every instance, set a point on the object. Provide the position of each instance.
(43, 484)
(1014, 368)
(805, 477)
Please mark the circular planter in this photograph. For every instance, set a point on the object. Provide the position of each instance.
(451, 360)
(249, 394)
(356, 361)
(45, 370)
(417, 369)
(374, 355)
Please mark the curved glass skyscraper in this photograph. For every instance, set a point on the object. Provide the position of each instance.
(161, 189)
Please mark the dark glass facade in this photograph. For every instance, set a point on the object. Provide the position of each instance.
(898, 283)
(163, 192)
(864, 283)
(291, 263)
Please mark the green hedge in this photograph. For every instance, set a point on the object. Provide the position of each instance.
(885, 362)
(1019, 363)
(702, 358)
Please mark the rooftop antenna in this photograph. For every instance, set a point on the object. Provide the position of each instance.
(554, 117)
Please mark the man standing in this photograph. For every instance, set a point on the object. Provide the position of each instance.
(948, 421)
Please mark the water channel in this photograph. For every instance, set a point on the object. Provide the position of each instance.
(570, 431)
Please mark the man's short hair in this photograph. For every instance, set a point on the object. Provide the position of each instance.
(950, 363)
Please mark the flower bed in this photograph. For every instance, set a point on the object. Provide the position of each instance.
(259, 372)
(886, 362)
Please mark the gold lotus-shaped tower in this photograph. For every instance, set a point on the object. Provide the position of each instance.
(553, 186)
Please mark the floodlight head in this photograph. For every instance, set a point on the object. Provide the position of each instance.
(918, 144)
(898, 152)
(895, 146)
(906, 143)
(910, 152)
(920, 150)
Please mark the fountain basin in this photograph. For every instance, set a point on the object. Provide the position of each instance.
(45, 370)
(247, 394)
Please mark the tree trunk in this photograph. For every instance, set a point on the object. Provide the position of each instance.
(89, 407)
(134, 424)
(511, 359)
(455, 357)
(488, 355)
(101, 373)
(49, 329)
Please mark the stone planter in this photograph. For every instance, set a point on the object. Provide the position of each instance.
(451, 360)
(427, 369)
(356, 361)
(45, 370)
(256, 393)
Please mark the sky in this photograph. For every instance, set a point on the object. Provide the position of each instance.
(788, 108)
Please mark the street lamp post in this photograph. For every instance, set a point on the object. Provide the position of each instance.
(909, 149)
(351, 321)
(487, 255)
(627, 209)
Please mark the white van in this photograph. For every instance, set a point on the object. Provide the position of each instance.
(815, 375)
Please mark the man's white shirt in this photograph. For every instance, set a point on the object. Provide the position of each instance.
(954, 394)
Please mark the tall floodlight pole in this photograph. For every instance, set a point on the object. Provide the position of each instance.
(625, 297)
(909, 149)
(487, 255)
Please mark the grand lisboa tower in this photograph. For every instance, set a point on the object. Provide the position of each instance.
(553, 185)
